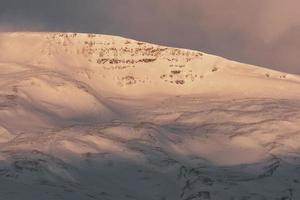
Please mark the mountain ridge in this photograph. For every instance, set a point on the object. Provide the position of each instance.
(85, 116)
(122, 64)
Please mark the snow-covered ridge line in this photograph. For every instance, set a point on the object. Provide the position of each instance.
(118, 38)
(126, 66)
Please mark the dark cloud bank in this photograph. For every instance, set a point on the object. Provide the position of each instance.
(261, 32)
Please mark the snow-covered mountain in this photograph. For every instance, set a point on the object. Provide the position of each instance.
(85, 116)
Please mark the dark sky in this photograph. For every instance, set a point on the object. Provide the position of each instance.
(261, 32)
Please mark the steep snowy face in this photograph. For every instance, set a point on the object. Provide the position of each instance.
(118, 65)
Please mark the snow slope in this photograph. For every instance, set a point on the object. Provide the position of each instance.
(85, 116)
